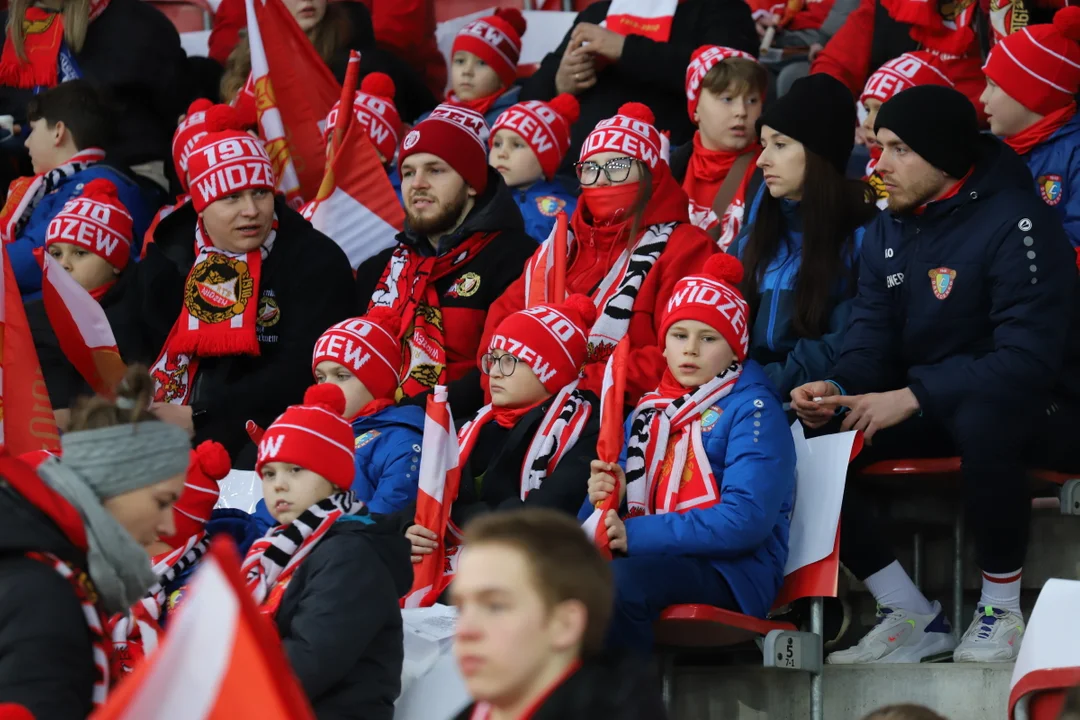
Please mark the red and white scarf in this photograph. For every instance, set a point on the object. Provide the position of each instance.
(614, 298)
(407, 286)
(25, 193)
(1027, 140)
(273, 558)
(44, 39)
(705, 173)
(667, 469)
(648, 18)
(950, 37)
(135, 634)
(481, 105)
(218, 318)
(95, 619)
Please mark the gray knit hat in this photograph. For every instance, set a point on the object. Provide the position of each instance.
(118, 459)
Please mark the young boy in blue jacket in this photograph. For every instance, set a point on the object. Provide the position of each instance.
(69, 125)
(528, 143)
(1032, 78)
(708, 470)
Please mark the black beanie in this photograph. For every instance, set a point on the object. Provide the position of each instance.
(937, 122)
(819, 112)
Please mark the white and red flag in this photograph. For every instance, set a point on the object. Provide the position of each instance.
(219, 660)
(610, 442)
(440, 477)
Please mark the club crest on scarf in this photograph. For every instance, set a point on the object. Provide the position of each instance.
(220, 288)
(465, 286)
(1050, 189)
(942, 281)
(1008, 16)
(170, 376)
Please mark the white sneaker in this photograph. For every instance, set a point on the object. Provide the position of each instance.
(994, 636)
(901, 636)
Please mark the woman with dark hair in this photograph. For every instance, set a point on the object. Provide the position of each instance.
(630, 240)
(335, 29)
(801, 242)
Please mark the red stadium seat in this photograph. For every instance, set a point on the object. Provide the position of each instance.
(186, 15)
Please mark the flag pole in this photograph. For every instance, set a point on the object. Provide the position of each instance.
(558, 292)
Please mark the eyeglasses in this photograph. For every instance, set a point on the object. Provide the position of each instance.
(506, 363)
(616, 170)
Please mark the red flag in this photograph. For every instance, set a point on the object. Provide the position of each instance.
(558, 294)
(81, 328)
(26, 415)
(294, 91)
(610, 442)
(356, 204)
(220, 659)
(439, 480)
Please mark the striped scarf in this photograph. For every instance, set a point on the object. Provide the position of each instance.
(25, 193)
(273, 558)
(614, 298)
(95, 619)
(667, 469)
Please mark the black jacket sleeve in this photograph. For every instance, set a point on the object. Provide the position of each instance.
(46, 660)
(347, 597)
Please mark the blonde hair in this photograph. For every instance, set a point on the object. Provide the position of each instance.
(132, 404)
(76, 14)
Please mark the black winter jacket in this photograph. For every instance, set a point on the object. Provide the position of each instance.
(648, 72)
(491, 272)
(132, 53)
(340, 622)
(46, 656)
(978, 294)
(606, 687)
(306, 286)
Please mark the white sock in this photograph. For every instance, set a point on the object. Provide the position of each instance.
(892, 588)
(1001, 590)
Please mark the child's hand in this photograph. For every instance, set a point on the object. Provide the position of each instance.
(423, 542)
(602, 481)
(616, 531)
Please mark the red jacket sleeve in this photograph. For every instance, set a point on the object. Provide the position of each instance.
(847, 55)
(229, 19)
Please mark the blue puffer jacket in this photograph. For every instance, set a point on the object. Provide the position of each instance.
(1055, 165)
(508, 98)
(745, 536)
(540, 203)
(21, 250)
(387, 459)
(789, 360)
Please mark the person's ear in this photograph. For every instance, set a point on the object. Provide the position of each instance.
(115, 270)
(470, 190)
(567, 625)
(60, 133)
(697, 118)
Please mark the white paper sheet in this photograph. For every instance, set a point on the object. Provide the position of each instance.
(1052, 637)
(431, 686)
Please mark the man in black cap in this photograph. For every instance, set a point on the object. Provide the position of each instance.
(960, 343)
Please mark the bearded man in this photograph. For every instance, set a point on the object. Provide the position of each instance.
(464, 242)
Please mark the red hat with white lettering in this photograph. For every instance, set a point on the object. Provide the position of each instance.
(313, 436)
(209, 463)
(96, 221)
(631, 133)
(374, 109)
(189, 132)
(551, 339)
(712, 297)
(226, 160)
(1039, 66)
(495, 39)
(903, 72)
(544, 126)
(457, 135)
(368, 347)
(704, 59)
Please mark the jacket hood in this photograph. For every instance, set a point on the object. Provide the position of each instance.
(410, 416)
(27, 528)
(997, 169)
(494, 211)
(669, 203)
(391, 547)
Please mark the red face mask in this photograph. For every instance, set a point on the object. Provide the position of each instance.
(611, 203)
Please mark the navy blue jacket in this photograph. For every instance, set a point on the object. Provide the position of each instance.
(1055, 165)
(788, 359)
(387, 455)
(977, 294)
(540, 203)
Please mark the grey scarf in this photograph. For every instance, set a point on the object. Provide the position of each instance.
(103, 463)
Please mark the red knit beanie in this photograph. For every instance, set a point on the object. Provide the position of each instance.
(544, 126)
(631, 133)
(1039, 66)
(313, 436)
(495, 39)
(209, 463)
(375, 111)
(368, 347)
(13, 711)
(187, 134)
(900, 73)
(712, 297)
(96, 221)
(551, 339)
(226, 160)
(457, 135)
(704, 59)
